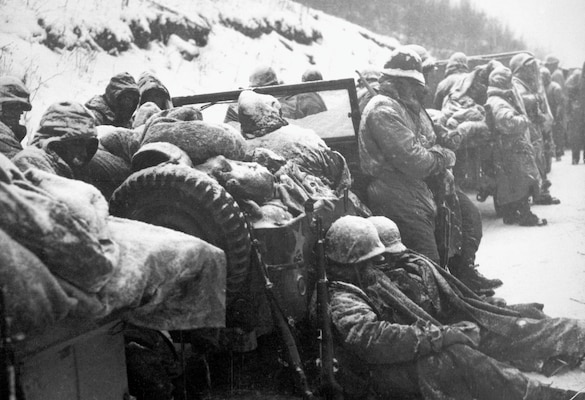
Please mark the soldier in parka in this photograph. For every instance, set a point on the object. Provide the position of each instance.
(117, 105)
(151, 89)
(516, 175)
(431, 343)
(552, 63)
(14, 101)
(556, 102)
(64, 143)
(463, 117)
(367, 86)
(399, 154)
(398, 151)
(526, 81)
(455, 70)
(576, 114)
(429, 65)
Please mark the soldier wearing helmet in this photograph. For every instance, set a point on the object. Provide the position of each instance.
(557, 102)
(429, 66)
(515, 172)
(527, 83)
(398, 152)
(367, 85)
(389, 345)
(576, 114)
(552, 63)
(455, 70)
(262, 75)
(64, 143)
(14, 101)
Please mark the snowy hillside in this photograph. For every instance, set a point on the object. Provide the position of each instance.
(70, 49)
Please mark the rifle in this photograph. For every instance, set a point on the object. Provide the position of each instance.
(329, 386)
(284, 328)
(7, 360)
(444, 226)
(371, 90)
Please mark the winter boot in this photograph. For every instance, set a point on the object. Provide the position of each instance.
(530, 219)
(510, 213)
(472, 278)
(545, 199)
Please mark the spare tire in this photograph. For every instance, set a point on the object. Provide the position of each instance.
(188, 201)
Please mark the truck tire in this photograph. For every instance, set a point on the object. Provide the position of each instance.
(191, 202)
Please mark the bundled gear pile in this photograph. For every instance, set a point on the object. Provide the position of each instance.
(79, 262)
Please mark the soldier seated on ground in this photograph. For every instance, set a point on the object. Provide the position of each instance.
(14, 100)
(399, 338)
(151, 89)
(65, 141)
(117, 105)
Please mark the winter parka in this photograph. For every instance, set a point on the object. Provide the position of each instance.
(104, 106)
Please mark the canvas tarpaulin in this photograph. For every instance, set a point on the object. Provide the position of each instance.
(63, 259)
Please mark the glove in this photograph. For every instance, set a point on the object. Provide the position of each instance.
(452, 140)
(463, 332)
(447, 155)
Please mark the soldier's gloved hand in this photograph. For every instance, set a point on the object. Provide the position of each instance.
(447, 155)
(463, 332)
(452, 140)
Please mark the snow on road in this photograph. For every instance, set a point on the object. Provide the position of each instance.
(541, 264)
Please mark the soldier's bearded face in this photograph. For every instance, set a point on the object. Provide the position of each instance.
(127, 103)
(74, 152)
(420, 92)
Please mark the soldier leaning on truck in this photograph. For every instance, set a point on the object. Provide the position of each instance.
(398, 151)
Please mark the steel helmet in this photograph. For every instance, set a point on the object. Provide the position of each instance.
(405, 63)
(388, 233)
(520, 60)
(551, 60)
(501, 77)
(457, 62)
(12, 90)
(263, 76)
(428, 62)
(351, 240)
(312, 74)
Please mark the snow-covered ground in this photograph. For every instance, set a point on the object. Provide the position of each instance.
(283, 34)
(543, 264)
(539, 264)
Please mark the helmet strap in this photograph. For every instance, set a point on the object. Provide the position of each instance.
(358, 276)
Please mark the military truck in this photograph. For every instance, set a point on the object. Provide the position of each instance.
(272, 267)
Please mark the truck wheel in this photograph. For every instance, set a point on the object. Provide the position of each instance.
(188, 201)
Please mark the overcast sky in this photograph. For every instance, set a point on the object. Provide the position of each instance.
(557, 26)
